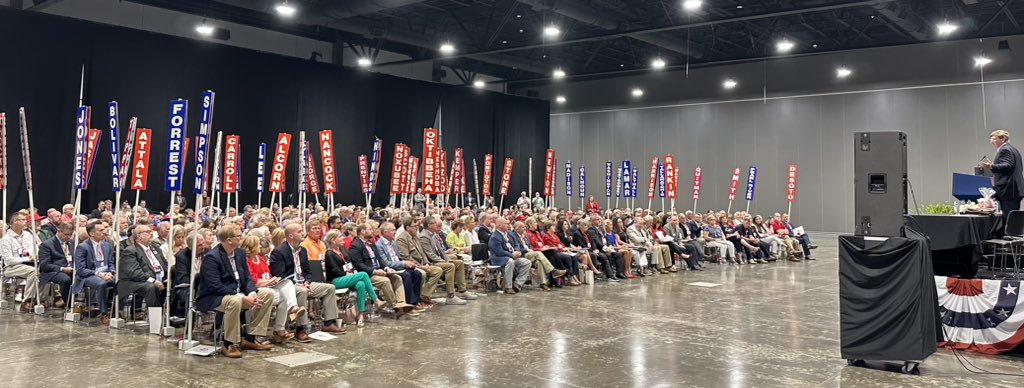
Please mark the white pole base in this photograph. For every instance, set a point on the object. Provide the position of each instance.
(117, 323)
(72, 317)
(5, 304)
(39, 309)
(167, 331)
(184, 345)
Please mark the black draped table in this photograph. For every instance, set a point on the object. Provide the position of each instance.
(956, 240)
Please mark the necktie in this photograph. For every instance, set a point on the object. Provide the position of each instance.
(99, 253)
(67, 252)
(234, 268)
(298, 265)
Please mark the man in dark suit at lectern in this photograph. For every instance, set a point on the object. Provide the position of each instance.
(1007, 171)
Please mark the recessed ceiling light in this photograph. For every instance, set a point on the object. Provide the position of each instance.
(518, 16)
(739, 7)
(692, 5)
(447, 48)
(729, 83)
(637, 92)
(658, 64)
(784, 45)
(552, 31)
(945, 28)
(981, 61)
(520, 30)
(504, 42)
(814, 45)
(558, 73)
(560, 99)
(843, 72)
(364, 62)
(285, 9)
(479, 84)
(204, 29)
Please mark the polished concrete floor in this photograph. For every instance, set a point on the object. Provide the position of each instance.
(772, 325)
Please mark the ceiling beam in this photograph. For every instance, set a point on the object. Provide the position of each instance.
(657, 29)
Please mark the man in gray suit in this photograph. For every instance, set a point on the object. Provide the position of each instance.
(454, 268)
(94, 265)
(143, 268)
(509, 256)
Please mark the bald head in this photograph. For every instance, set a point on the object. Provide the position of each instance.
(293, 233)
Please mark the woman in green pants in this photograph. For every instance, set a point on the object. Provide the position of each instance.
(342, 275)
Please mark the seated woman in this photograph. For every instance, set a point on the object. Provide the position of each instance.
(733, 237)
(457, 242)
(342, 275)
(256, 251)
(561, 262)
(551, 243)
(615, 245)
(662, 238)
(565, 236)
(715, 237)
(766, 235)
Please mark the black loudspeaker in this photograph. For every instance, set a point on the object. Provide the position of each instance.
(880, 183)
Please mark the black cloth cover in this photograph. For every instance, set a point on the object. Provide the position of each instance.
(888, 305)
(956, 240)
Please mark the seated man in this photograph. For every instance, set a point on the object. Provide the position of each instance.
(685, 239)
(453, 267)
(412, 277)
(365, 257)
(142, 269)
(183, 271)
(508, 256)
(583, 237)
(640, 235)
(57, 264)
(94, 265)
(614, 262)
(409, 250)
(289, 261)
(802, 238)
(18, 250)
(226, 286)
(536, 258)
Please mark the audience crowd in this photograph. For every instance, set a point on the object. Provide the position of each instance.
(266, 268)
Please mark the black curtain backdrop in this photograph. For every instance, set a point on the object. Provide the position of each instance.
(258, 95)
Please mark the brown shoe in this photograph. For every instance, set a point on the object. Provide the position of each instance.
(282, 336)
(509, 291)
(26, 307)
(295, 312)
(231, 351)
(247, 345)
(104, 319)
(302, 337)
(59, 303)
(673, 269)
(558, 273)
(332, 329)
(545, 287)
(516, 288)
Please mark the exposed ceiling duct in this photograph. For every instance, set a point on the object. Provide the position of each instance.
(583, 13)
(904, 19)
(335, 10)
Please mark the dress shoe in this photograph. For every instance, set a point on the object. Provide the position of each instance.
(249, 345)
(809, 258)
(509, 291)
(105, 319)
(673, 269)
(59, 303)
(78, 310)
(302, 337)
(413, 313)
(295, 312)
(812, 246)
(282, 336)
(558, 273)
(545, 287)
(332, 329)
(231, 351)
(26, 307)
(516, 288)
(466, 295)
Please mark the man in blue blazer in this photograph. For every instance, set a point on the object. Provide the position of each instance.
(1007, 169)
(226, 286)
(56, 259)
(94, 266)
(510, 257)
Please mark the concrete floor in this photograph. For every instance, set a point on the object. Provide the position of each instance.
(770, 325)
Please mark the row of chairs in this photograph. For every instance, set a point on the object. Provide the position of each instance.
(1009, 248)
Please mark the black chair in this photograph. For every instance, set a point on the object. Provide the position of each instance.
(1011, 245)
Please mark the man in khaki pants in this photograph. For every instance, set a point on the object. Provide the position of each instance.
(290, 261)
(226, 286)
(409, 249)
(454, 268)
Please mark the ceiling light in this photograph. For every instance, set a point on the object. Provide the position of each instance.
(204, 29)
(558, 73)
(285, 9)
(739, 7)
(560, 99)
(981, 61)
(479, 84)
(551, 31)
(945, 28)
(518, 16)
(637, 92)
(658, 64)
(504, 42)
(784, 45)
(692, 5)
(843, 72)
(447, 48)
(729, 83)
(364, 62)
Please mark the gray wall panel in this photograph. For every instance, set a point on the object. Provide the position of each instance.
(944, 125)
